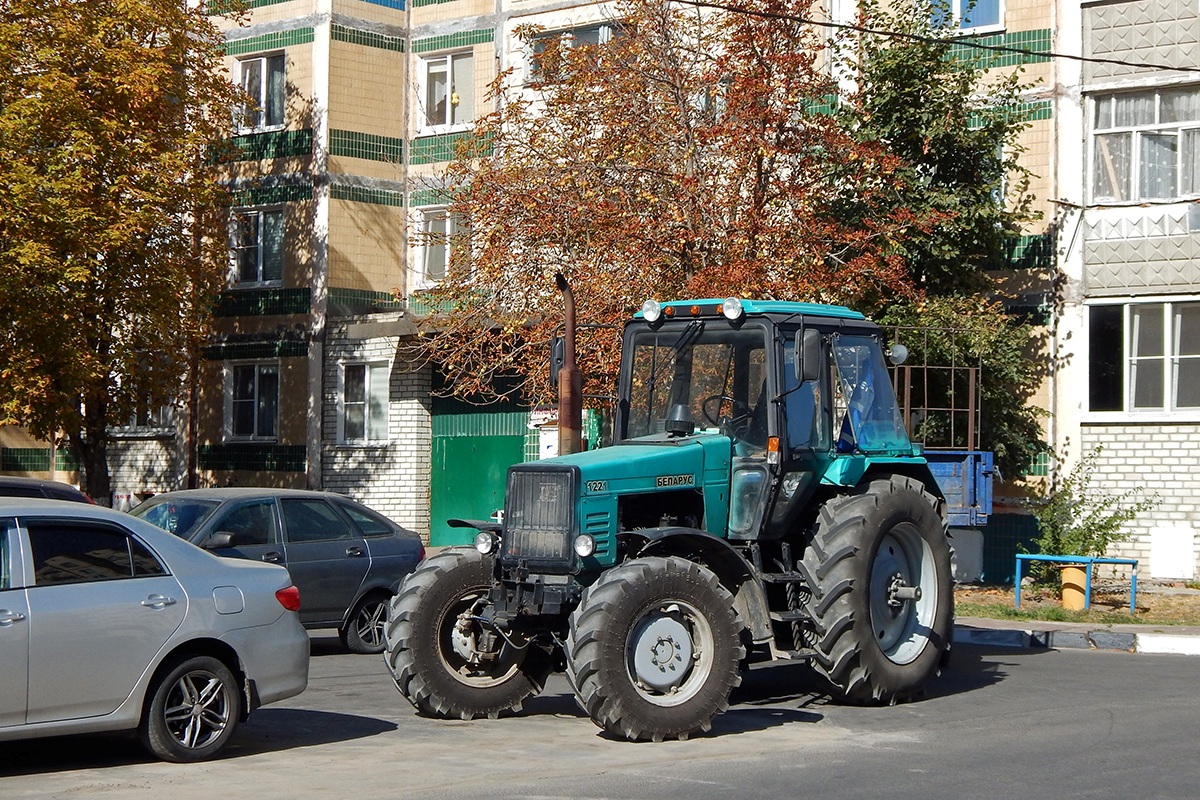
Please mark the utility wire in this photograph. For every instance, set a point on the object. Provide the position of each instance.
(966, 41)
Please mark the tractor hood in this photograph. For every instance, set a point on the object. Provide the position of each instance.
(655, 464)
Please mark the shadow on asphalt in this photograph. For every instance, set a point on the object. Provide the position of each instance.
(268, 730)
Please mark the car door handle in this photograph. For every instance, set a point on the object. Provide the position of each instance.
(9, 617)
(272, 557)
(354, 551)
(158, 601)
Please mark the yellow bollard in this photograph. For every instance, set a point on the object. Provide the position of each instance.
(1074, 581)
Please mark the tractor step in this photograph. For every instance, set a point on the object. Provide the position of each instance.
(790, 616)
(783, 577)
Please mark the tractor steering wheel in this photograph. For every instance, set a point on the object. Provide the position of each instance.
(740, 413)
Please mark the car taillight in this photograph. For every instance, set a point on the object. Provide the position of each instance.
(421, 554)
(289, 598)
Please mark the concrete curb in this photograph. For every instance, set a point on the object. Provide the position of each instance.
(1061, 639)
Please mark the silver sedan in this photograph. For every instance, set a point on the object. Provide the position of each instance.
(108, 623)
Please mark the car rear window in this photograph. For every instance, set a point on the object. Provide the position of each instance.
(67, 553)
(370, 523)
(179, 517)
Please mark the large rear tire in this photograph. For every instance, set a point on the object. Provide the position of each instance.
(443, 660)
(653, 649)
(882, 600)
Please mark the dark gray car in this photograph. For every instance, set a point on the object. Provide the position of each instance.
(346, 559)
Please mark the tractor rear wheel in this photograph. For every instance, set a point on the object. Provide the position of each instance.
(653, 649)
(443, 659)
(882, 601)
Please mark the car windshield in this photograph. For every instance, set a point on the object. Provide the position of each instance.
(684, 366)
(179, 517)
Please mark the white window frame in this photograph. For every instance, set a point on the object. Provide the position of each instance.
(460, 96)
(259, 214)
(958, 9)
(1105, 125)
(260, 367)
(426, 249)
(567, 37)
(1168, 357)
(148, 422)
(256, 118)
(376, 378)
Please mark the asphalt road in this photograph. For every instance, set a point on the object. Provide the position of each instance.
(1000, 723)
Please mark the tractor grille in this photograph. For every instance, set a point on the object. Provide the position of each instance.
(539, 516)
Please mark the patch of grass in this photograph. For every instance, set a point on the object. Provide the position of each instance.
(1107, 608)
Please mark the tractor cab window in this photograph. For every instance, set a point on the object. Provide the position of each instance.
(703, 372)
(865, 414)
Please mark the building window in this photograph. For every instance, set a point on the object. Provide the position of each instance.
(257, 245)
(253, 401)
(441, 234)
(983, 15)
(548, 54)
(1144, 357)
(449, 91)
(262, 79)
(1146, 145)
(364, 403)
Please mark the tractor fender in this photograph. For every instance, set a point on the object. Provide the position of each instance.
(734, 572)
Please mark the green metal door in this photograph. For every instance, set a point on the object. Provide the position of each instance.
(468, 481)
(473, 448)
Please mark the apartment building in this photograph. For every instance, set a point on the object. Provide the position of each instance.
(1128, 327)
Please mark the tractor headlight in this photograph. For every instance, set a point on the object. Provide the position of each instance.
(732, 309)
(651, 311)
(486, 541)
(585, 545)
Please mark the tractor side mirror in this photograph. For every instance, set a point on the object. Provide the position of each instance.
(897, 354)
(808, 355)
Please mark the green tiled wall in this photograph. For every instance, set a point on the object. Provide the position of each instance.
(450, 41)
(238, 350)
(269, 41)
(36, 459)
(429, 197)
(361, 194)
(419, 3)
(365, 145)
(1031, 252)
(1027, 112)
(271, 195)
(343, 33)
(263, 302)
(431, 149)
(1031, 41)
(221, 6)
(343, 302)
(259, 457)
(275, 144)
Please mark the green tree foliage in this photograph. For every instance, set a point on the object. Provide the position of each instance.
(108, 111)
(954, 126)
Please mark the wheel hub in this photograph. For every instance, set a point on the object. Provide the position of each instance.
(662, 653)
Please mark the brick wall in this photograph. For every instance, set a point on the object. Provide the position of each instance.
(391, 477)
(1162, 459)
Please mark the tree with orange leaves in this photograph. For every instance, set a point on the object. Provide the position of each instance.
(112, 239)
(694, 154)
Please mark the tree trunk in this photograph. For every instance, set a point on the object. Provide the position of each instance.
(90, 446)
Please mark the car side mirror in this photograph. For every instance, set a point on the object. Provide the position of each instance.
(218, 541)
(807, 352)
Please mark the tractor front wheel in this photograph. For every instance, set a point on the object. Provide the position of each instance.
(444, 660)
(653, 649)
